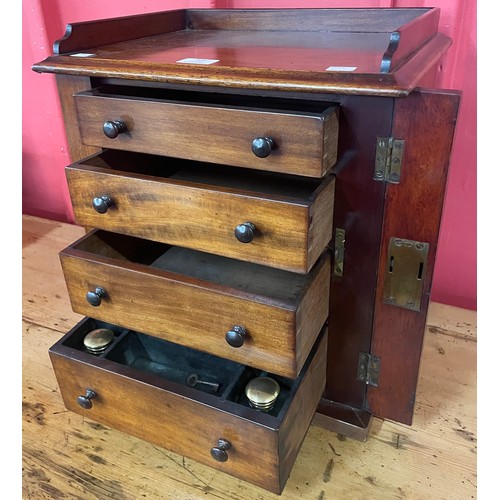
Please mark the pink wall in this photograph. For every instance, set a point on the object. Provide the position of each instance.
(45, 151)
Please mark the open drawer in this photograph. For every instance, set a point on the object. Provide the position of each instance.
(263, 317)
(138, 385)
(276, 220)
(279, 135)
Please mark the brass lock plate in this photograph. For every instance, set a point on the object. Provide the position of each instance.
(405, 273)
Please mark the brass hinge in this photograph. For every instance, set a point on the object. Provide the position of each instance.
(368, 369)
(388, 159)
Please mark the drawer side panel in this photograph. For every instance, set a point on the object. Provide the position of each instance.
(321, 216)
(301, 412)
(330, 141)
(312, 312)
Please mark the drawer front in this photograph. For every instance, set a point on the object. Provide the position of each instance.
(192, 424)
(302, 143)
(279, 332)
(287, 233)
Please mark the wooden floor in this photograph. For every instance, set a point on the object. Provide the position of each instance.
(68, 456)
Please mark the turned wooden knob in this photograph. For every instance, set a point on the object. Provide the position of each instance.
(102, 203)
(113, 128)
(262, 146)
(245, 232)
(236, 336)
(85, 401)
(94, 297)
(219, 452)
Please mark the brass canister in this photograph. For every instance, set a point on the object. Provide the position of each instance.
(262, 393)
(97, 340)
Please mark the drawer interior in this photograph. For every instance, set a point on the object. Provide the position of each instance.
(174, 362)
(205, 174)
(243, 276)
(295, 106)
(75, 337)
(157, 361)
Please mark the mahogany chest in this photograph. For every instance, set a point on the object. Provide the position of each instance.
(262, 192)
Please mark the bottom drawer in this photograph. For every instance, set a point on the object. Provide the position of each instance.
(141, 385)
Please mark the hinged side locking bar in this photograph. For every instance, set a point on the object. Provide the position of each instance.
(388, 159)
(338, 255)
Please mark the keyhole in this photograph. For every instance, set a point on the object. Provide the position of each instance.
(391, 264)
(420, 271)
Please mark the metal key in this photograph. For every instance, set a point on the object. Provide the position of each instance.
(192, 380)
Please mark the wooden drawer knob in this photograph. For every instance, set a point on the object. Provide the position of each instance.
(245, 232)
(113, 128)
(262, 146)
(86, 401)
(236, 336)
(94, 297)
(219, 452)
(102, 203)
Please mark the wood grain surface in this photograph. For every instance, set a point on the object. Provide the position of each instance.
(278, 64)
(407, 39)
(91, 34)
(82, 36)
(359, 20)
(291, 231)
(426, 120)
(302, 409)
(305, 142)
(146, 407)
(196, 311)
(69, 456)
(66, 87)
(359, 203)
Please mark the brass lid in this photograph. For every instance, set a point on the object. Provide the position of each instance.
(97, 340)
(262, 392)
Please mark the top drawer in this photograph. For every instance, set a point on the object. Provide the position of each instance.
(278, 135)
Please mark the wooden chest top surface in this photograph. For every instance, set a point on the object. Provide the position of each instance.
(355, 51)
